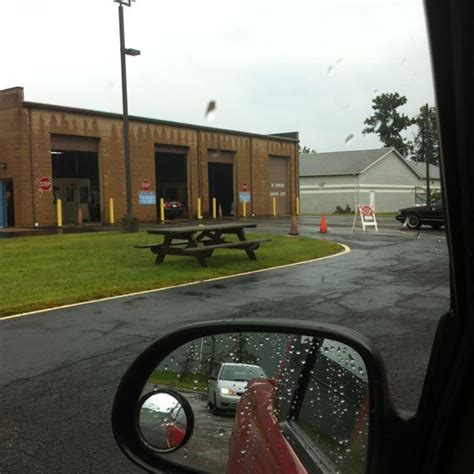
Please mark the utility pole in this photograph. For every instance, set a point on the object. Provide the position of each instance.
(129, 221)
(423, 144)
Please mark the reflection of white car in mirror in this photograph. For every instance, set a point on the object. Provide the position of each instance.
(227, 384)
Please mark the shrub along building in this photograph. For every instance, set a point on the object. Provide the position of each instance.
(49, 152)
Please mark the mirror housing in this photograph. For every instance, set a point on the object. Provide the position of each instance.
(384, 419)
(165, 420)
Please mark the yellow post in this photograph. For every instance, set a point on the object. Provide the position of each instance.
(297, 206)
(199, 214)
(244, 209)
(274, 206)
(162, 210)
(59, 209)
(214, 208)
(111, 211)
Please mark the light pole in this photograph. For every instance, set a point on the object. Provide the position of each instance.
(129, 221)
(423, 144)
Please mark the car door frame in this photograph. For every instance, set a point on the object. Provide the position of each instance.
(443, 404)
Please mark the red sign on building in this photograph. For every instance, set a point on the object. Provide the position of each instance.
(45, 183)
(146, 185)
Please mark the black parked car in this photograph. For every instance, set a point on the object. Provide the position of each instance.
(173, 209)
(417, 216)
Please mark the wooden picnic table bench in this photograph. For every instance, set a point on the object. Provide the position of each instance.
(201, 240)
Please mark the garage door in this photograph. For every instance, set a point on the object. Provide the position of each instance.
(279, 184)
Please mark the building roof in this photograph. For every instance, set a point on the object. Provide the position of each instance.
(287, 136)
(340, 163)
(421, 168)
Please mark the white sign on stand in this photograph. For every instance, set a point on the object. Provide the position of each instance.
(367, 217)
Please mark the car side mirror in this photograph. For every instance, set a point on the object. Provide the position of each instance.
(165, 420)
(290, 394)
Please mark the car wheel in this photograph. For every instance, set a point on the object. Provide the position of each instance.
(437, 226)
(413, 221)
(215, 410)
(210, 405)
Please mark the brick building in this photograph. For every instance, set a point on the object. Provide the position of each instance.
(49, 151)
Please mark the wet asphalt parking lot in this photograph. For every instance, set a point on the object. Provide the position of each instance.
(59, 369)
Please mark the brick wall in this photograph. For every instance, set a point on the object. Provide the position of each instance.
(250, 158)
(14, 152)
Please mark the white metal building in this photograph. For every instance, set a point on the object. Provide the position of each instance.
(343, 179)
(435, 180)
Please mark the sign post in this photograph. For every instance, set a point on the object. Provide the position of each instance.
(367, 217)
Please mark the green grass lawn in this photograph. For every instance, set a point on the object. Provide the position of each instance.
(174, 380)
(46, 271)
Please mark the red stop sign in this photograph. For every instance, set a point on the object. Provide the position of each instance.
(146, 185)
(244, 187)
(45, 183)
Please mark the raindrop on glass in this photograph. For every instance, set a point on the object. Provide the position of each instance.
(211, 111)
(349, 138)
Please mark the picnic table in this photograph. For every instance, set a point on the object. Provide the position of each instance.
(201, 240)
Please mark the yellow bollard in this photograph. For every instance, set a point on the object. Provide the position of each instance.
(214, 208)
(244, 209)
(297, 206)
(199, 213)
(162, 210)
(59, 210)
(111, 211)
(274, 206)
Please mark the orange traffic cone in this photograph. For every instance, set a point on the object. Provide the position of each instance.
(79, 216)
(219, 212)
(293, 226)
(323, 227)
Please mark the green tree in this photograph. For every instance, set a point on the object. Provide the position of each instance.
(306, 149)
(241, 352)
(388, 123)
(426, 144)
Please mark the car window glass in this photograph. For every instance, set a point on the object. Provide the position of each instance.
(240, 373)
(212, 99)
(298, 351)
(334, 414)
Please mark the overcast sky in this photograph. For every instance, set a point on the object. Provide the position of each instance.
(271, 65)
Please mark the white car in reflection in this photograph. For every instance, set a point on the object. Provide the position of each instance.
(228, 383)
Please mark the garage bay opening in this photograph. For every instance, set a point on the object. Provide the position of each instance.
(279, 184)
(75, 166)
(221, 181)
(171, 181)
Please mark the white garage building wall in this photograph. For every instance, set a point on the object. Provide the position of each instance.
(389, 184)
(393, 183)
(323, 193)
